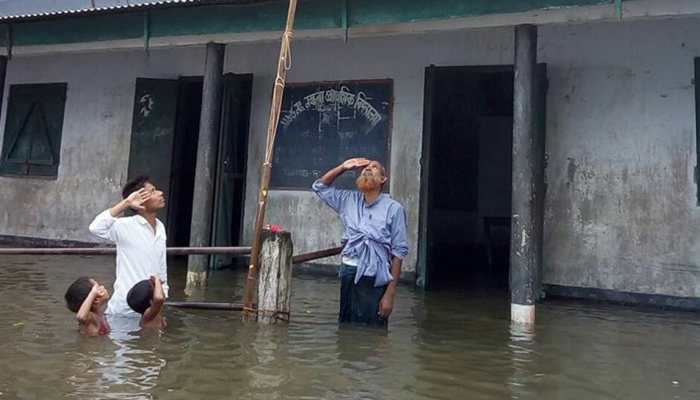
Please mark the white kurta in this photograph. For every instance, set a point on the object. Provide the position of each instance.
(140, 254)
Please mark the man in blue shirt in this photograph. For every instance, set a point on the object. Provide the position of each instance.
(375, 242)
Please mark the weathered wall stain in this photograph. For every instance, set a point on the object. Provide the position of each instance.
(95, 139)
(620, 207)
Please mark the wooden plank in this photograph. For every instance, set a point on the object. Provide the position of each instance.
(205, 305)
(315, 255)
(240, 250)
(284, 286)
(274, 283)
(112, 250)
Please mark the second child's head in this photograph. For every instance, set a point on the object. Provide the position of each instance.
(140, 296)
(79, 290)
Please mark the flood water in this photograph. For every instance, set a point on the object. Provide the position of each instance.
(446, 345)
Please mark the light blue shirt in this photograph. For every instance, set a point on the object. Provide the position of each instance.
(373, 232)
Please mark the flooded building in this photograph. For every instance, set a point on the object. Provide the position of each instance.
(548, 143)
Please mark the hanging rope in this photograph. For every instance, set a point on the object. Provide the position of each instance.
(280, 81)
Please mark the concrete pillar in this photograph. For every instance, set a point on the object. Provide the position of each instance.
(205, 173)
(540, 112)
(524, 238)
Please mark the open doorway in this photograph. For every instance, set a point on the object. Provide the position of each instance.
(164, 138)
(184, 161)
(229, 195)
(467, 161)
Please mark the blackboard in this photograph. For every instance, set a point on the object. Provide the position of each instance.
(324, 123)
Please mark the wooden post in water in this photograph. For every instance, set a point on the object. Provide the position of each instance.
(283, 65)
(275, 281)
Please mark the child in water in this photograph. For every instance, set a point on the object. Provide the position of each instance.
(88, 299)
(147, 298)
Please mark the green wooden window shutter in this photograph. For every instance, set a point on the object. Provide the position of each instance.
(32, 143)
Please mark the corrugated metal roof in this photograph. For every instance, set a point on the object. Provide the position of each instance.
(12, 10)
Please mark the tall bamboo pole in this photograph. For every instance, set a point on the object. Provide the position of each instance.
(283, 65)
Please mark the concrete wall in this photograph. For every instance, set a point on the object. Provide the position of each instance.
(620, 210)
(402, 59)
(620, 207)
(95, 139)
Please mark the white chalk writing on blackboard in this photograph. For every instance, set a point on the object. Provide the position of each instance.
(305, 173)
(322, 99)
(146, 104)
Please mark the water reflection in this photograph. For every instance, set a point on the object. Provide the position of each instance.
(522, 354)
(270, 368)
(124, 365)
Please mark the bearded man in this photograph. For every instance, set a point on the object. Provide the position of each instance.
(374, 242)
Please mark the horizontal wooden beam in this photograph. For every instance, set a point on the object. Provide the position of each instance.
(315, 255)
(173, 251)
(205, 305)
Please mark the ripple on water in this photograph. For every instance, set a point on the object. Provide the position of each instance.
(443, 345)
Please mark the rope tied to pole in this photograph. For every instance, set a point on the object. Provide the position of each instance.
(287, 45)
(281, 82)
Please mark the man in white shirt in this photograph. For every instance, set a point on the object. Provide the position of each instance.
(140, 240)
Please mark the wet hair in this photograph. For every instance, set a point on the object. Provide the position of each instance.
(135, 184)
(77, 292)
(139, 296)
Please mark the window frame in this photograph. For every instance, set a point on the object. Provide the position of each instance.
(23, 99)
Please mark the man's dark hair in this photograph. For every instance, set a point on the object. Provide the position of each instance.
(135, 184)
(383, 170)
(77, 292)
(139, 296)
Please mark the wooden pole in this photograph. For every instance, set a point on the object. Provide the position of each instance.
(315, 255)
(283, 65)
(173, 251)
(205, 305)
(275, 283)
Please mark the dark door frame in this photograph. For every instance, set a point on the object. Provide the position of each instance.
(183, 81)
(223, 129)
(425, 240)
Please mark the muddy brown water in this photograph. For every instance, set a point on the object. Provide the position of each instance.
(444, 345)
